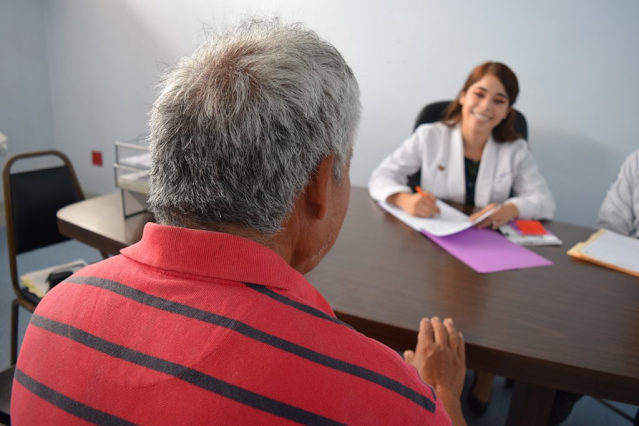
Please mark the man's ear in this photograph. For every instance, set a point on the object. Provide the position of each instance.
(317, 191)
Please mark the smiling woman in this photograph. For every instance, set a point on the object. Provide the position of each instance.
(489, 93)
(473, 156)
(484, 106)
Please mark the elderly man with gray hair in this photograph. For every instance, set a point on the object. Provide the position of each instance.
(209, 319)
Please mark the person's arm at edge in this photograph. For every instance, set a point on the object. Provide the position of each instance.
(616, 212)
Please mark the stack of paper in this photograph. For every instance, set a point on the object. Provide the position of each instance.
(137, 182)
(37, 282)
(141, 161)
(610, 249)
(514, 233)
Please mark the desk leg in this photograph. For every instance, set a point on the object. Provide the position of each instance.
(530, 405)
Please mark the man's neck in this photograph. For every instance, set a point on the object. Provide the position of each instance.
(281, 242)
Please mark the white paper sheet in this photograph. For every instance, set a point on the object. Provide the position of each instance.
(449, 220)
(36, 281)
(615, 249)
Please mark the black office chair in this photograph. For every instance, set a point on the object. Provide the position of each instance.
(6, 383)
(32, 199)
(435, 111)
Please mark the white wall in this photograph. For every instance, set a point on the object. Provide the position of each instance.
(25, 101)
(576, 62)
(104, 66)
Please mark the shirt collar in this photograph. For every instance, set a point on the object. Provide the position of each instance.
(219, 255)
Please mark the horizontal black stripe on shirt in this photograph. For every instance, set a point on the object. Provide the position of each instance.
(67, 404)
(258, 335)
(295, 304)
(181, 372)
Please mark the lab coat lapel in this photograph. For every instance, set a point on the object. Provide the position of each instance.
(456, 181)
(484, 183)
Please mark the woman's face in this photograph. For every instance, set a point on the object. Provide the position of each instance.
(484, 105)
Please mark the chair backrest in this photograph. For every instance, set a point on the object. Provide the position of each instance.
(32, 199)
(434, 112)
(6, 385)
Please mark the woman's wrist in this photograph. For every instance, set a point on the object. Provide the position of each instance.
(512, 210)
(396, 199)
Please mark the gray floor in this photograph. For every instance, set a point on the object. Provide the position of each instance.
(587, 411)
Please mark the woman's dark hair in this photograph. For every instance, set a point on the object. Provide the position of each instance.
(504, 131)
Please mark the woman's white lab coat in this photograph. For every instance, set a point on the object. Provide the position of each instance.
(439, 151)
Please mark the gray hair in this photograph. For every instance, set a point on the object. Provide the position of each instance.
(241, 126)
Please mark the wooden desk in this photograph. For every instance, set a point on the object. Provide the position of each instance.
(571, 326)
(99, 223)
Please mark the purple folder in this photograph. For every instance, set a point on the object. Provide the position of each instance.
(486, 251)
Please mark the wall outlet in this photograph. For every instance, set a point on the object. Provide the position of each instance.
(96, 158)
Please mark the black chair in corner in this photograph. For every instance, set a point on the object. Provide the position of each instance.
(435, 111)
(32, 199)
(6, 383)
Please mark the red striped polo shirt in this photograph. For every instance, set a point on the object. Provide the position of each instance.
(197, 327)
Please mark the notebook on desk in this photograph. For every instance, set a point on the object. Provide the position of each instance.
(514, 234)
(610, 249)
(448, 221)
(483, 250)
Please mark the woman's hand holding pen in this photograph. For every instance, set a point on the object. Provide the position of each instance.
(504, 214)
(422, 204)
